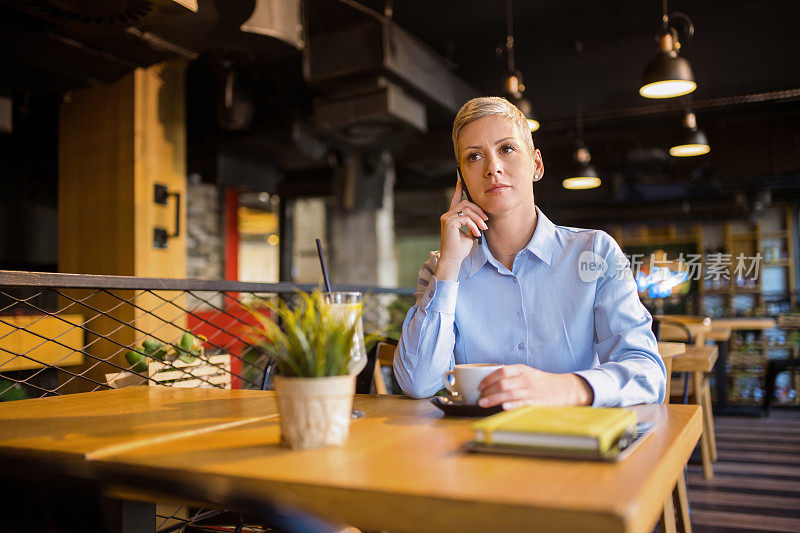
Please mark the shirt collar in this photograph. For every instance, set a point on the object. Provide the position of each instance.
(541, 245)
(544, 238)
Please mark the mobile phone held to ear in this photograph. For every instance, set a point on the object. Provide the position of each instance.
(465, 191)
(463, 185)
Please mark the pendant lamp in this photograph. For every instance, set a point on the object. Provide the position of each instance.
(584, 176)
(693, 142)
(668, 75)
(513, 87)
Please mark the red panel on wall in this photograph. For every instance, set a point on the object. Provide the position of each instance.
(228, 330)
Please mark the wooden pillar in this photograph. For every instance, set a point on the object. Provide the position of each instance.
(116, 143)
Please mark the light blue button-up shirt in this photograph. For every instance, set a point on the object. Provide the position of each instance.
(569, 304)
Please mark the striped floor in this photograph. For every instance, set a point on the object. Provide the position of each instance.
(756, 485)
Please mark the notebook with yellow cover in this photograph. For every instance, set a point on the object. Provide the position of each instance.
(576, 431)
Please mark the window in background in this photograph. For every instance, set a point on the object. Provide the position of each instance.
(310, 215)
(258, 237)
(411, 251)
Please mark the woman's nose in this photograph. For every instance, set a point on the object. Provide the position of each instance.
(493, 166)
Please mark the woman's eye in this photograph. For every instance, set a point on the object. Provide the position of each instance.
(474, 156)
(507, 148)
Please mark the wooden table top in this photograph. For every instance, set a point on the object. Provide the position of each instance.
(670, 349)
(719, 333)
(686, 319)
(77, 427)
(696, 359)
(745, 323)
(402, 470)
(720, 327)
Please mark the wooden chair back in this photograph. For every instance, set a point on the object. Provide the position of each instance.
(384, 356)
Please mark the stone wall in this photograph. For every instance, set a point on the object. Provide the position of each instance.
(204, 237)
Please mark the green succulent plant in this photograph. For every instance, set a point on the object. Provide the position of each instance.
(186, 350)
(313, 341)
(137, 359)
(154, 349)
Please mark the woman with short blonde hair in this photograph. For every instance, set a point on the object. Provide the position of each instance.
(556, 306)
(491, 106)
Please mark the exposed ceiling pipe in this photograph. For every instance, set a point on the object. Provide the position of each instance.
(598, 117)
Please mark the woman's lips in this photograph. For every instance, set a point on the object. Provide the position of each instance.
(497, 188)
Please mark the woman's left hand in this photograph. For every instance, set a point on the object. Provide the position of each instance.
(517, 385)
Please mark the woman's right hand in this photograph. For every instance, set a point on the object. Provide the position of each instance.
(457, 244)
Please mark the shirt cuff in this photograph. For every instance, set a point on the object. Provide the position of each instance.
(440, 296)
(606, 391)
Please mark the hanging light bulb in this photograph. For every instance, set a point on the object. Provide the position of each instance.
(669, 75)
(513, 88)
(585, 174)
(693, 141)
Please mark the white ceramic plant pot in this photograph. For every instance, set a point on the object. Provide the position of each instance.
(315, 412)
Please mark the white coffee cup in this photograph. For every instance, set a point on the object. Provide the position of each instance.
(463, 380)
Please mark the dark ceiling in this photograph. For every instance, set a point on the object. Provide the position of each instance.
(739, 49)
(739, 46)
(743, 53)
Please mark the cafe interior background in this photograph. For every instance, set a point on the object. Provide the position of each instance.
(216, 140)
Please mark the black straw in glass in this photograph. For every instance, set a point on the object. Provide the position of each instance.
(324, 270)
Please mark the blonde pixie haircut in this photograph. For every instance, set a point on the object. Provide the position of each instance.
(488, 106)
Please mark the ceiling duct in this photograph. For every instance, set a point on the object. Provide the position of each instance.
(88, 18)
(371, 114)
(113, 27)
(409, 74)
(53, 45)
(376, 47)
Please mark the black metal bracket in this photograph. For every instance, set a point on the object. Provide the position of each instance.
(161, 196)
(160, 238)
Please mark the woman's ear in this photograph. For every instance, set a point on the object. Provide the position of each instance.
(538, 165)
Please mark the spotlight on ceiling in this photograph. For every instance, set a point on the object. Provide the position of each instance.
(668, 75)
(693, 141)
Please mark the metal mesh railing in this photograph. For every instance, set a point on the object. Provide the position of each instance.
(64, 333)
(67, 333)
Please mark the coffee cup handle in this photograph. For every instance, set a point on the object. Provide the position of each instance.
(449, 382)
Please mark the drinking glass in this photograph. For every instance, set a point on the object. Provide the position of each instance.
(348, 306)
